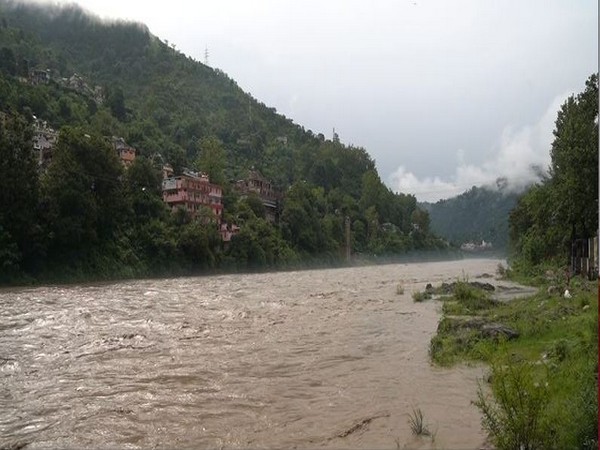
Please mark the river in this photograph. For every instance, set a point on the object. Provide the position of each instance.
(311, 359)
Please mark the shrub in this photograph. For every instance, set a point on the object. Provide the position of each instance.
(421, 296)
(417, 423)
(515, 419)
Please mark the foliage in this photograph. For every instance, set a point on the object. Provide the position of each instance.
(419, 296)
(515, 417)
(417, 423)
(19, 226)
(563, 206)
(557, 345)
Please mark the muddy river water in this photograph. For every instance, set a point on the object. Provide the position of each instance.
(312, 359)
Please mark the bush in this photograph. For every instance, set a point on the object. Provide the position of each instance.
(515, 419)
(417, 423)
(421, 296)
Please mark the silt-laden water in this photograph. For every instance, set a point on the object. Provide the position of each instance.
(311, 359)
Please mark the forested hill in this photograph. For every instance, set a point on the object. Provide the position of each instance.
(85, 214)
(160, 100)
(479, 214)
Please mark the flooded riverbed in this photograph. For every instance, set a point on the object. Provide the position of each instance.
(325, 358)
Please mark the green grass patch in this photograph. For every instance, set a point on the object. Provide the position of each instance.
(421, 296)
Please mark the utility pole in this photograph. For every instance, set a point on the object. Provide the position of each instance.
(347, 222)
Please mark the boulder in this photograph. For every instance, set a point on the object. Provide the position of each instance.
(553, 290)
(483, 286)
(497, 330)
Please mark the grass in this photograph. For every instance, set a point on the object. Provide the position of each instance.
(417, 423)
(557, 349)
(419, 296)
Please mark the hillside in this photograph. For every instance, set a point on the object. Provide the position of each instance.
(170, 101)
(93, 81)
(479, 214)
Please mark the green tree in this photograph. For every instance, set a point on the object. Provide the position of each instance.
(563, 206)
(116, 104)
(83, 195)
(144, 191)
(18, 194)
(8, 63)
(574, 169)
(212, 159)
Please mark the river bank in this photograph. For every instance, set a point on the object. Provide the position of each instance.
(542, 347)
(66, 276)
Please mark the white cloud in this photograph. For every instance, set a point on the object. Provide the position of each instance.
(518, 156)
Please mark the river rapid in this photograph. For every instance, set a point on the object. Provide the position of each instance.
(311, 359)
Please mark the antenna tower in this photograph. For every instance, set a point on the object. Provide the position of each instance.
(206, 55)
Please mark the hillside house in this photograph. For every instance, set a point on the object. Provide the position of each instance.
(39, 76)
(125, 152)
(44, 140)
(193, 192)
(227, 231)
(257, 184)
(167, 171)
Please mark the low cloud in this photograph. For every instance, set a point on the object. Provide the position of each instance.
(520, 156)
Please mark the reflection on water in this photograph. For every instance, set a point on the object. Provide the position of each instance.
(325, 358)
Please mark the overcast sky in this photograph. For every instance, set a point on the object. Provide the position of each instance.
(443, 94)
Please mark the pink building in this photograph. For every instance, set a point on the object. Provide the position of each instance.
(126, 152)
(192, 192)
(227, 231)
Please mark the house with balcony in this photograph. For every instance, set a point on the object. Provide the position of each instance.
(193, 192)
(255, 183)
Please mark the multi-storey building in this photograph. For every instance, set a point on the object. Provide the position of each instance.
(257, 184)
(193, 191)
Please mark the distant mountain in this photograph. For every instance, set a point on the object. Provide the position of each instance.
(478, 214)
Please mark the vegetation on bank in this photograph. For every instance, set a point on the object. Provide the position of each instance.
(543, 356)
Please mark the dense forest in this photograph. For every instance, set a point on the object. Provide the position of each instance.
(85, 215)
(480, 214)
(564, 205)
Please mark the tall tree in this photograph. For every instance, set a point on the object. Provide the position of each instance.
(563, 206)
(212, 159)
(574, 169)
(18, 193)
(83, 195)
